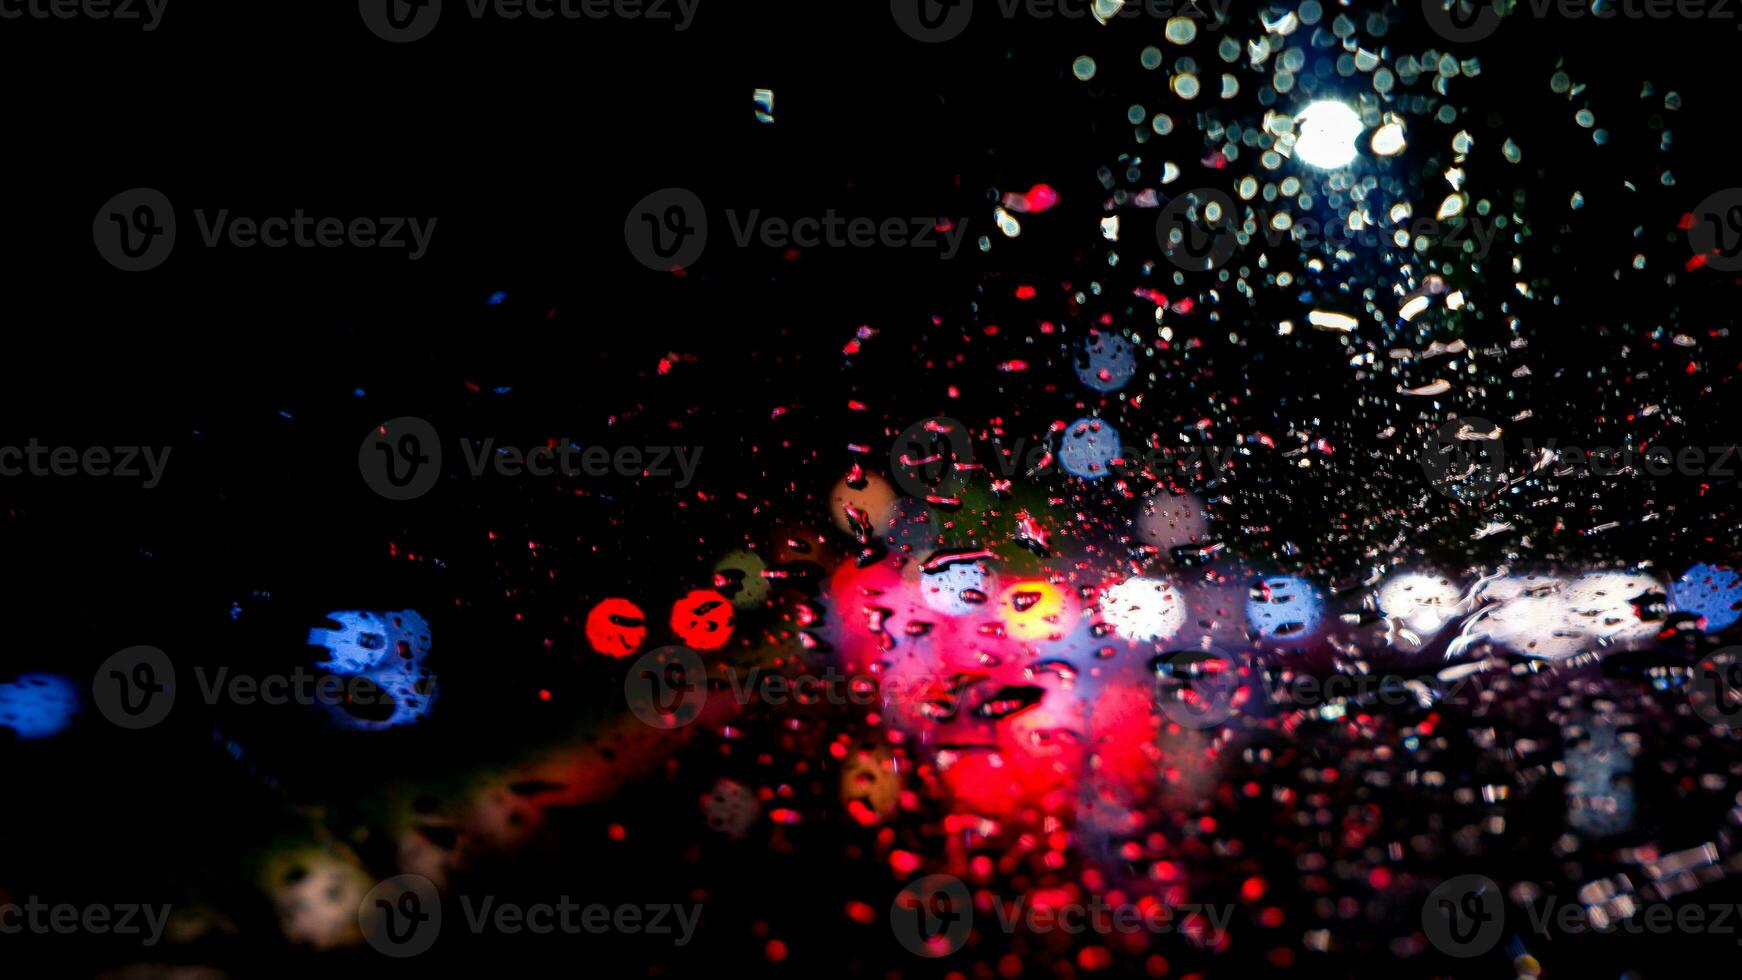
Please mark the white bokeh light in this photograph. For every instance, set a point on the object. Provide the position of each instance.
(1420, 601)
(1552, 618)
(1143, 609)
(1325, 134)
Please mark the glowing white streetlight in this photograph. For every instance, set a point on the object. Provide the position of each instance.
(1326, 132)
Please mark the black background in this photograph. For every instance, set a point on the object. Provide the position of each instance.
(530, 141)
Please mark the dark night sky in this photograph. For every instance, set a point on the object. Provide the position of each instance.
(529, 143)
